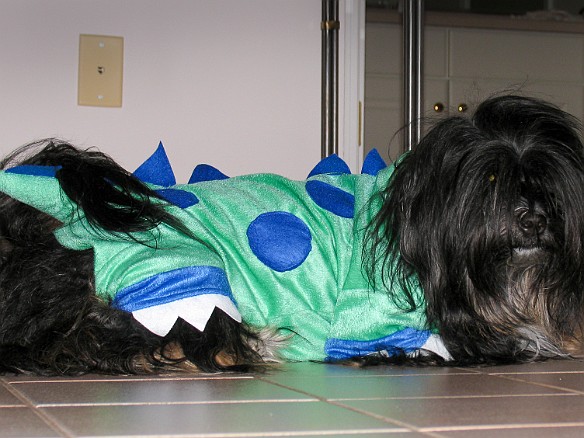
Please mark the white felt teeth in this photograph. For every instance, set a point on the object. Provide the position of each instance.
(436, 345)
(195, 310)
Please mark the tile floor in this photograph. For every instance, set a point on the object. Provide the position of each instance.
(536, 400)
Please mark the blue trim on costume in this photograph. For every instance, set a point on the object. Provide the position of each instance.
(331, 198)
(173, 286)
(157, 169)
(35, 170)
(406, 340)
(331, 164)
(373, 163)
(180, 198)
(206, 172)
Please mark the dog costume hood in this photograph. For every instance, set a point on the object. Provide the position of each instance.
(269, 251)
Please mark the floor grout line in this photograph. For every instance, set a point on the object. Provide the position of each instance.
(503, 426)
(568, 391)
(536, 373)
(125, 380)
(446, 397)
(43, 416)
(174, 403)
(409, 427)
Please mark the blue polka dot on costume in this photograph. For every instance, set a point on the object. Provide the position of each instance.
(280, 240)
(180, 198)
(331, 198)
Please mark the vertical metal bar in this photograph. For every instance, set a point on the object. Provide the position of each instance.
(330, 78)
(413, 46)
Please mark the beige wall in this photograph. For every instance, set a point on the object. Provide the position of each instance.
(234, 83)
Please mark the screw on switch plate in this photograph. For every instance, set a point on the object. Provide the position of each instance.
(101, 64)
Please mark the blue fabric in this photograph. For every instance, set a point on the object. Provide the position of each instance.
(406, 340)
(331, 164)
(172, 286)
(32, 169)
(373, 163)
(331, 198)
(205, 172)
(279, 240)
(180, 198)
(157, 169)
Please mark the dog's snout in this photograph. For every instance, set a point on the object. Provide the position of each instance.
(532, 223)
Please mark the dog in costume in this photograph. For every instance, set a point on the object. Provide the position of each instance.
(468, 250)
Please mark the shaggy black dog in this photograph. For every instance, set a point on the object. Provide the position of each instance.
(486, 215)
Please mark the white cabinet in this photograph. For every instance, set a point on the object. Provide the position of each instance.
(463, 66)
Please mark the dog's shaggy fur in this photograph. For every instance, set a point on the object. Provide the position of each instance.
(486, 214)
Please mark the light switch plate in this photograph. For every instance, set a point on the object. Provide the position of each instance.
(101, 67)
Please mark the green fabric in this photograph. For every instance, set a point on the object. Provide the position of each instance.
(327, 296)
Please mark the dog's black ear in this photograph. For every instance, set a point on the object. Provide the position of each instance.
(405, 241)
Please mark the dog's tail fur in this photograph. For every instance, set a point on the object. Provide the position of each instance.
(109, 196)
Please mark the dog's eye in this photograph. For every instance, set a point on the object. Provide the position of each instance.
(492, 178)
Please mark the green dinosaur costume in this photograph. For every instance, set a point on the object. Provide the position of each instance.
(269, 251)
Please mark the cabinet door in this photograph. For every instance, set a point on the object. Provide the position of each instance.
(467, 93)
(383, 116)
(436, 102)
(540, 64)
(462, 67)
(518, 55)
(383, 119)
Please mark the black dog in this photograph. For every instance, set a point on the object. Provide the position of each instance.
(488, 214)
(485, 217)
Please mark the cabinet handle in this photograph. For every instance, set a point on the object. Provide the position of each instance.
(438, 107)
(462, 107)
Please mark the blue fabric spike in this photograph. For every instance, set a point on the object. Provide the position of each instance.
(157, 169)
(332, 164)
(35, 170)
(205, 172)
(373, 163)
